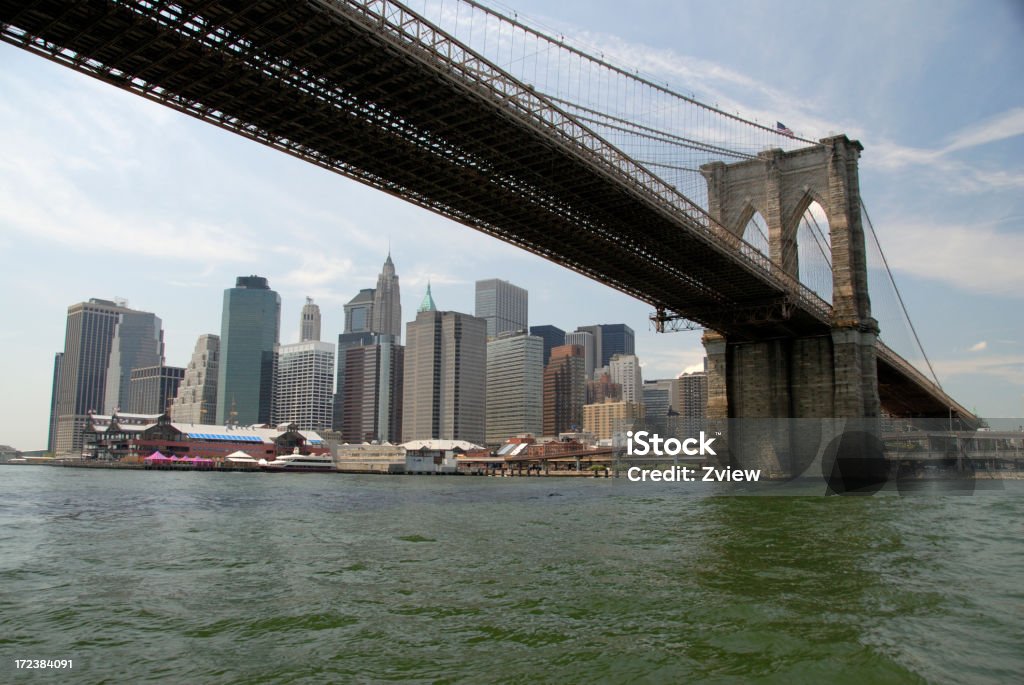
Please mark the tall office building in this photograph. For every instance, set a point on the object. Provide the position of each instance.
(387, 303)
(250, 326)
(359, 312)
(693, 400)
(372, 317)
(503, 305)
(553, 336)
(309, 326)
(564, 390)
(625, 370)
(52, 433)
(82, 377)
(587, 341)
(346, 341)
(358, 322)
(372, 391)
(138, 343)
(152, 389)
(616, 338)
(196, 401)
(445, 376)
(610, 339)
(661, 405)
(304, 385)
(515, 386)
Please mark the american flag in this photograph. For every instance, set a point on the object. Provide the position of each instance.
(784, 130)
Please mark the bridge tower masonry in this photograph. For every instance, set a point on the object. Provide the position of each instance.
(824, 384)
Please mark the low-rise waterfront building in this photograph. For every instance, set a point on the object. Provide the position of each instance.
(132, 437)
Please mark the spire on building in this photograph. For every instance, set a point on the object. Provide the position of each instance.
(428, 302)
(387, 302)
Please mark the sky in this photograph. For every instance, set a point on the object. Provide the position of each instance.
(104, 194)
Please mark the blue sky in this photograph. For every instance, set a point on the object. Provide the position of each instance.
(103, 194)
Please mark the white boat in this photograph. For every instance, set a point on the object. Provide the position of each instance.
(300, 463)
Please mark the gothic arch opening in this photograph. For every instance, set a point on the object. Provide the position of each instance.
(755, 232)
(814, 249)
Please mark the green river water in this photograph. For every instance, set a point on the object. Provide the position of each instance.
(252, 578)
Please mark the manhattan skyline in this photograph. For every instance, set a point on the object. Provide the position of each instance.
(105, 195)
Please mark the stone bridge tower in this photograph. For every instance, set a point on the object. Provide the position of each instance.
(827, 377)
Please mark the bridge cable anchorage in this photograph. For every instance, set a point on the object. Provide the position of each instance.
(899, 296)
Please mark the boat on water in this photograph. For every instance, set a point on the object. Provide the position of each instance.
(296, 462)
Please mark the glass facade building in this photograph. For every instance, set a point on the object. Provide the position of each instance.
(250, 326)
(553, 337)
(515, 386)
(504, 306)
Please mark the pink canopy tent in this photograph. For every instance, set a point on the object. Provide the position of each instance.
(156, 456)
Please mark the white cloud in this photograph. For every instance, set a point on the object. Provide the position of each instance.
(958, 254)
(1006, 367)
(978, 347)
(954, 174)
(1009, 124)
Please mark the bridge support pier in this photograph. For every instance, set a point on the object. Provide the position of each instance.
(778, 403)
(783, 400)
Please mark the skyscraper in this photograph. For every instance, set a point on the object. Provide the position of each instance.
(661, 405)
(445, 375)
(196, 401)
(346, 341)
(387, 303)
(372, 317)
(588, 343)
(309, 326)
(304, 385)
(138, 343)
(82, 384)
(250, 326)
(515, 386)
(625, 370)
(564, 390)
(616, 338)
(553, 336)
(152, 389)
(52, 434)
(372, 392)
(693, 400)
(359, 312)
(503, 305)
(610, 339)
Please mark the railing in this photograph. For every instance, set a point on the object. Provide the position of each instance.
(411, 29)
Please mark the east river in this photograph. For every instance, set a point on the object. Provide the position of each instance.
(193, 577)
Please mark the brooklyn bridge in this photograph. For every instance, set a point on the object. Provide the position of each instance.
(744, 229)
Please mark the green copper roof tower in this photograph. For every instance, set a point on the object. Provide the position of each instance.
(428, 302)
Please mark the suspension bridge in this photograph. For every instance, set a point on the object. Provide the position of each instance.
(746, 229)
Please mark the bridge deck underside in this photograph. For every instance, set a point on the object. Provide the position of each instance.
(319, 80)
(904, 396)
(326, 86)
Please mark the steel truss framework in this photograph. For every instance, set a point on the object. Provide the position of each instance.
(371, 90)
